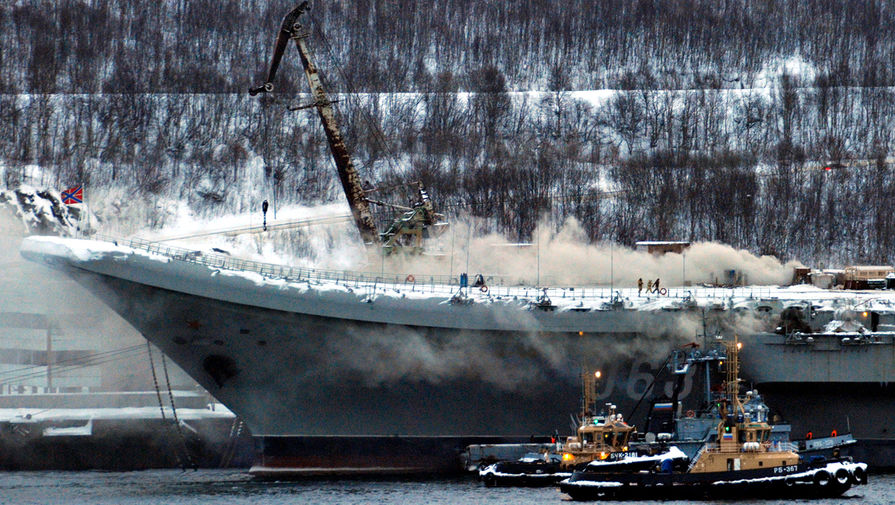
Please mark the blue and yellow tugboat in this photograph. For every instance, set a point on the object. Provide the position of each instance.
(600, 437)
(740, 463)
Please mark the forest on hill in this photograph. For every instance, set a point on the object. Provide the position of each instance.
(764, 124)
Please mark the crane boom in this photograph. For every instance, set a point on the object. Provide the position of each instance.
(348, 176)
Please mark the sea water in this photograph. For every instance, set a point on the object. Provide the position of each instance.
(224, 487)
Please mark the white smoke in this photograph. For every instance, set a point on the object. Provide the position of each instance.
(565, 258)
(36, 291)
(553, 258)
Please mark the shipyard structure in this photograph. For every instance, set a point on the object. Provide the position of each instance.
(76, 382)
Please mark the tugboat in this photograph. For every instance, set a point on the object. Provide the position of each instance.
(602, 438)
(742, 463)
(531, 470)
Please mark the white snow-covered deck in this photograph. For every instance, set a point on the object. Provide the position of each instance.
(372, 286)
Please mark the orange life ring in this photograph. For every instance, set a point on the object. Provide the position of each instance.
(834, 434)
(410, 278)
(691, 414)
(483, 289)
(809, 436)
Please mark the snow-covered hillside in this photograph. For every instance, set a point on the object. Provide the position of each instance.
(43, 213)
(659, 120)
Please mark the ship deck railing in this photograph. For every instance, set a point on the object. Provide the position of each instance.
(784, 447)
(767, 447)
(496, 285)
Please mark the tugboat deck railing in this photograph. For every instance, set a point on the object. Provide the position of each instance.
(767, 447)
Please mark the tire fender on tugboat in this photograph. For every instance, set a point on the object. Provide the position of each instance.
(842, 476)
(823, 478)
(860, 475)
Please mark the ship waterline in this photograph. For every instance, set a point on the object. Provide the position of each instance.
(405, 379)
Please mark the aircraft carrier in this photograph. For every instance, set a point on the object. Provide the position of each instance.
(343, 372)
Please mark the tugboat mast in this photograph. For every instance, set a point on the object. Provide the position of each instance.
(733, 375)
(351, 184)
(589, 393)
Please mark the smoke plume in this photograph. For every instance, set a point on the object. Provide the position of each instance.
(565, 258)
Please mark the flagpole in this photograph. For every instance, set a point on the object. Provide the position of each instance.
(83, 210)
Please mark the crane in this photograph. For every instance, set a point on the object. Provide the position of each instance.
(360, 209)
(407, 231)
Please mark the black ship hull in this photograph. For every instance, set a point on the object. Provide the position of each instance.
(795, 481)
(289, 457)
(523, 474)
